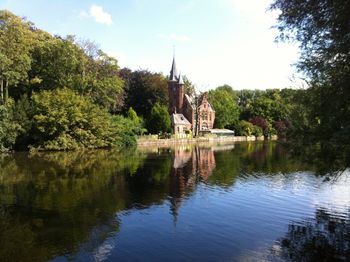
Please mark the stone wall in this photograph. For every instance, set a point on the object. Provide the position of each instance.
(171, 141)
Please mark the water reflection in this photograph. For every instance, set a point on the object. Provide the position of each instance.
(75, 204)
(326, 237)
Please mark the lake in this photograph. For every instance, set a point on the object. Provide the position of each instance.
(231, 202)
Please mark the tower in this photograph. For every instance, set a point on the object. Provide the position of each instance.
(176, 90)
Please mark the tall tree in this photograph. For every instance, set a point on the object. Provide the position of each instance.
(143, 90)
(15, 44)
(159, 119)
(224, 101)
(322, 29)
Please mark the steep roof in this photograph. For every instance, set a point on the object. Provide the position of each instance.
(173, 72)
(202, 97)
(181, 80)
(179, 119)
(189, 100)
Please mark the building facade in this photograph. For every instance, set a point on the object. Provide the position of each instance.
(187, 113)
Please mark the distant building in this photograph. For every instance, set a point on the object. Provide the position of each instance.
(182, 107)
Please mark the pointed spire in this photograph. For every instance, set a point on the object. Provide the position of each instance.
(181, 80)
(173, 72)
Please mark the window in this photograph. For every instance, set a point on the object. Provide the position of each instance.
(205, 116)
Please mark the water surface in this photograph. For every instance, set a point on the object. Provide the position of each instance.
(238, 202)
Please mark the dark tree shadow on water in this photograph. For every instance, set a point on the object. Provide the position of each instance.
(323, 238)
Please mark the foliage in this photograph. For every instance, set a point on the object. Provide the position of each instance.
(244, 128)
(61, 62)
(143, 90)
(9, 128)
(15, 44)
(281, 127)
(257, 131)
(137, 122)
(63, 120)
(189, 87)
(265, 126)
(322, 30)
(223, 100)
(159, 120)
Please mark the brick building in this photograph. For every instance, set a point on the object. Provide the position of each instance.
(184, 110)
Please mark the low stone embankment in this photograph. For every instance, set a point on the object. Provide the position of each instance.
(150, 141)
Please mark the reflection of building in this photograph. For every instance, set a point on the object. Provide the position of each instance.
(189, 166)
(182, 107)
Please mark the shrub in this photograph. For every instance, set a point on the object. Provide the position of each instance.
(257, 131)
(281, 127)
(244, 128)
(63, 120)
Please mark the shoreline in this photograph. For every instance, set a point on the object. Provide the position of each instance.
(144, 142)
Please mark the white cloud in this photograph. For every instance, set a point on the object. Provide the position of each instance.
(97, 12)
(175, 37)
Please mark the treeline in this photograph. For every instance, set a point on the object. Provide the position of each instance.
(322, 111)
(322, 30)
(259, 112)
(59, 93)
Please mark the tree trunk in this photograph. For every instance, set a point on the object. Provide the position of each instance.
(6, 91)
(2, 91)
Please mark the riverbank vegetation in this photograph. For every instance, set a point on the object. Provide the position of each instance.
(62, 93)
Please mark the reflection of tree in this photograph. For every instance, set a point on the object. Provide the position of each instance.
(56, 202)
(53, 201)
(328, 158)
(325, 238)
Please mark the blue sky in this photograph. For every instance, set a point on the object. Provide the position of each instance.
(216, 41)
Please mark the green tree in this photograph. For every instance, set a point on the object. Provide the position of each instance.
(159, 120)
(9, 127)
(143, 90)
(322, 29)
(189, 87)
(61, 62)
(137, 122)
(63, 120)
(15, 44)
(224, 102)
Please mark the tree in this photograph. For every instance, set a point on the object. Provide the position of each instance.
(9, 127)
(63, 120)
(322, 30)
(189, 87)
(223, 100)
(159, 120)
(143, 90)
(137, 122)
(61, 62)
(15, 44)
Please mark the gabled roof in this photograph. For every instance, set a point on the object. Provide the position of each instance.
(179, 119)
(202, 97)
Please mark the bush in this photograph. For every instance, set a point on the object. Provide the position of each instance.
(265, 126)
(281, 127)
(244, 128)
(257, 131)
(63, 120)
